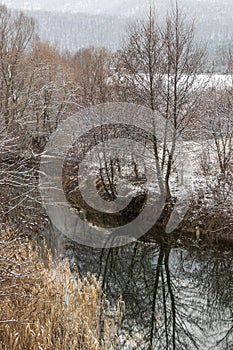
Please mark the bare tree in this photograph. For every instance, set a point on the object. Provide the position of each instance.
(16, 32)
(140, 61)
(161, 64)
(183, 61)
(50, 93)
(218, 126)
(92, 74)
(17, 161)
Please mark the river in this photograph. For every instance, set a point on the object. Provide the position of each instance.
(176, 296)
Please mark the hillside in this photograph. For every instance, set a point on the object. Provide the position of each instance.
(77, 24)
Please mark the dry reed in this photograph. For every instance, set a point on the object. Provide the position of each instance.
(49, 308)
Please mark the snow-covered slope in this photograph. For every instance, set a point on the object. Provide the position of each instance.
(123, 7)
(106, 19)
(208, 8)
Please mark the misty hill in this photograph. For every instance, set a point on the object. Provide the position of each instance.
(76, 24)
(75, 31)
(113, 7)
(215, 9)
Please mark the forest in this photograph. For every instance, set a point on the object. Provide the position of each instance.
(160, 69)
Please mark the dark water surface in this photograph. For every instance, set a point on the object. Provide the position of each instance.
(175, 297)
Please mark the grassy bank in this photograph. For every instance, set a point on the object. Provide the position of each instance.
(47, 307)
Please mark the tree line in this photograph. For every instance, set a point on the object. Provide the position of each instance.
(159, 66)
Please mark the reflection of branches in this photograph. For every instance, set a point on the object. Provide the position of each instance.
(152, 308)
(169, 296)
(216, 277)
(156, 283)
(165, 308)
(173, 307)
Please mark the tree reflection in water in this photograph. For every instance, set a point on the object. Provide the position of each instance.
(175, 298)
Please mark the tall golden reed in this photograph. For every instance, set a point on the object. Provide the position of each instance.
(49, 308)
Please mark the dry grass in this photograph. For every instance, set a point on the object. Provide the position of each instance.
(48, 308)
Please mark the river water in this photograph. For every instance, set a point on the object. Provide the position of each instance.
(175, 297)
